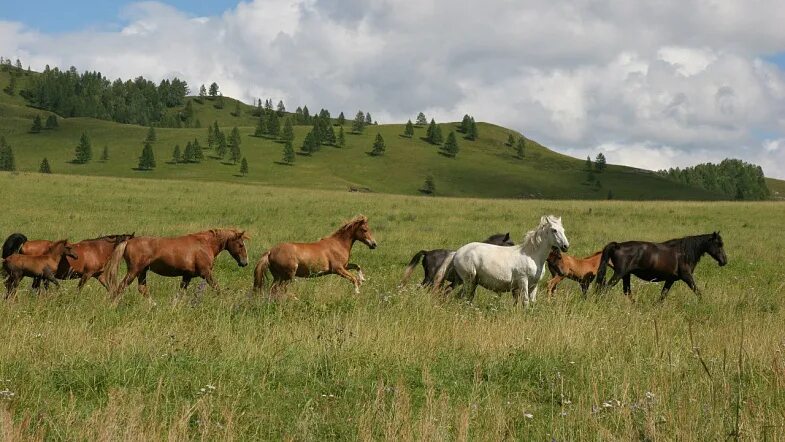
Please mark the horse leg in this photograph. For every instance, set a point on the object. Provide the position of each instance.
(83, 280)
(11, 284)
(360, 276)
(552, 283)
(585, 283)
(141, 285)
(533, 293)
(184, 283)
(208, 276)
(687, 277)
(102, 280)
(345, 273)
(626, 286)
(666, 288)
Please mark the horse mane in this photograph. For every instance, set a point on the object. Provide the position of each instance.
(225, 234)
(349, 225)
(693, 247)
(533, 238)
(105, 238)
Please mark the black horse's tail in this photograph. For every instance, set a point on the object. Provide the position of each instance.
(410, 268)
(13, 244)
(606, 255)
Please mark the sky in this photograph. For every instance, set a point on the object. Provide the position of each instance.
(651, 84)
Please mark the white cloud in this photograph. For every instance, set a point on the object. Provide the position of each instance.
(651, 84)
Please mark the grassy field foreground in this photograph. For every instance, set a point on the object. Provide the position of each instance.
(389, 363)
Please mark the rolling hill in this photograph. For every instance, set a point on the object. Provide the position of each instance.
(485, 168)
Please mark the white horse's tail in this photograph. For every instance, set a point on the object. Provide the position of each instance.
(443, 269)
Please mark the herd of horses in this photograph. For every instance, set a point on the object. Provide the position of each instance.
(496, 264)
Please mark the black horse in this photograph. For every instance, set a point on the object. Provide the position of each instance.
(669, 261)
(433, 259)
(13, 244)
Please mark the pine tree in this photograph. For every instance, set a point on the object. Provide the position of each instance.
(147, 159)
(408, 131)
(341, 142)
(51, 122)
(244, 167)
(44, 167)
(202, 94)
(520, 148)
(188, 113)
(151, 137)
(237, 111)
(309, 144)
(421, 120)
(11, 88)
(430, 130)
(329, 134)
(197, 150)
(450, 147)
(288, 130)
(378, 146)
(359, 122)
(306, 115)
(234, 146)
(341, 119)
(368, 119)
(429, 188)
(210, 137)
(188, 153)
(465, 123)
(261, 127)
(176, 155)
(511, 140)
(37, 126)
(273, 124)
(222, 147)
(105, 154)
(288, 153)
(280, 109)
(84, 151)
(472, 134)
(7, 161)
(213, 90)
(589, 166)
(434, 134)
(599, 162)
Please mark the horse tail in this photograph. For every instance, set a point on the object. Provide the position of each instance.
(606, 255)
(260, 272)
(112, 267)
(13, 244)
(443, 269)
(410, 268)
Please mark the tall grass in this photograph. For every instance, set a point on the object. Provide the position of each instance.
(390, 363)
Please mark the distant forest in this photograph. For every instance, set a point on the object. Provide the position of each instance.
(734, 178)
(90, 94)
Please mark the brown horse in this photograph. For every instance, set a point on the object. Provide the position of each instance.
(93, 255)
(17, 266)
(186, 256)
(565, 266)
(329, 255)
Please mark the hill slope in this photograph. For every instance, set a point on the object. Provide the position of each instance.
(485, 168)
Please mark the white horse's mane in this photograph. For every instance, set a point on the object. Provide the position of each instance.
(533, 238)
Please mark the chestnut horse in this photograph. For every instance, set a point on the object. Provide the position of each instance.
(93, 255)
(565, 266)
(17, 266)
(18, 243)
(186, 256)
(329, 255)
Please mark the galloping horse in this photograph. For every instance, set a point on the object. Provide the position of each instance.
(17, 266)
(433, 259)
(18, 243)
(329, 255)
(93, 255)
(186, 256)
(669, 261)
(517, 269)
(565, 266)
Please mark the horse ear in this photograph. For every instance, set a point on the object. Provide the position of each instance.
(243, 235)
(507, 236)
(543, 219)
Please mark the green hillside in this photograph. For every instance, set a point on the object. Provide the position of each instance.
(777, 188)
(485, 168)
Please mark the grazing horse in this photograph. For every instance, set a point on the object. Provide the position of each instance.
(517, 269)
(669, 261)
(17, 266)
(186, 256)
(93, 255)
(329, 255)
(564, 266)
(18, 243)
(433, 259)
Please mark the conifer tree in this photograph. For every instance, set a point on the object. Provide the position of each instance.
(7, 161)
(329, 134)
(261, 127)
(288, 130)
(222, 147)
(105, 153)
(472, 134)
(288, 153)
(37, 126)
(188, 113)
(237, 111)
(202, 94)
(520, 148)
(197, 151)
(306, 115)
(188, 153)
(368, 119)
(341, 142)
(273, 124)
(84, 151)
(151, 137)
(378, 146)
(429, 187)
(434, 133)
(280, 109)
(213, 90)
(244, 167)
(421, 120)
(450, 147)
(177, 157)
(309, 144)
(147, 159)
(589, 166)
(359, 122)
(511, 140)
(210, 137)
(44, 167)
(599, 162)
(341, 119)
(408, 131)
(465, 123)
(51, 122)
(234, 146)
(429, 131)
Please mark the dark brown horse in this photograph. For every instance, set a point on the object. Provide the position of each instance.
(329, 255)
(669, 261)
(562, 265)
(18, 243)
(92, 257)
(186, 256)
(17, 266)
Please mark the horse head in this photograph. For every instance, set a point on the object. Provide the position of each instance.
(362, 232)
(555, 232)
(235, 245)
(715, 248)
(63, 248)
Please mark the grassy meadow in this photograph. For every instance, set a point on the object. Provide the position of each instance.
(396, 364)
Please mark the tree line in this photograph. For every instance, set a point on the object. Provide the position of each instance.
(733, 178)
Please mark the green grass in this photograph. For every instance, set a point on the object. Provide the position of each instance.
(777, 188)
(485, 168)
(389, 363)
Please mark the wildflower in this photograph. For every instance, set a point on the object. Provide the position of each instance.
(528, 415)
(7, 394)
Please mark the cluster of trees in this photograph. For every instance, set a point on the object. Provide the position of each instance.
(7, 161)
(518, 144)
(733, 178)
(90, 94)
(599, 165)
(186, 117)
(15, 70)
(469, 128)
(191, 154)
(434, 133)
(37, 126)
(361, 120)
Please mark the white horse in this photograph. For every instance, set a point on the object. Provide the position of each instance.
(517, 269)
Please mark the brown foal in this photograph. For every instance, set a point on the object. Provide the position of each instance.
(565, 266)
(43, 266)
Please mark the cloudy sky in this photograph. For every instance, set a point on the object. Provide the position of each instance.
(651, 84)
